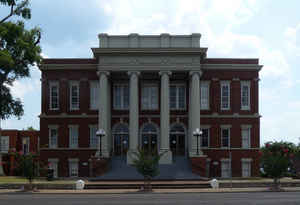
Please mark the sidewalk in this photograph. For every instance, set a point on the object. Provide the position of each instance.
(132, 191)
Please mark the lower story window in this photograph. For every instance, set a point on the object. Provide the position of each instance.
(73, 169)
(225, 169)
(246, 168)
(53, 164)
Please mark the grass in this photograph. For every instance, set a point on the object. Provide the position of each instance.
(21, 180)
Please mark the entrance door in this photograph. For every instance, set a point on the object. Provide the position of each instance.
(177, 144)
(121, 140)
(150, 143)
(177, 140)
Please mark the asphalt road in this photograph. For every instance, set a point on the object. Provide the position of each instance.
(264, 198)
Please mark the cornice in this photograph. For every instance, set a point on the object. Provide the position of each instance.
(68, 67)
(240, 67)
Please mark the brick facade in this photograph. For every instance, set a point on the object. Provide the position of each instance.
(233, 70)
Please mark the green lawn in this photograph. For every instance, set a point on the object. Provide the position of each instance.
(21, 180)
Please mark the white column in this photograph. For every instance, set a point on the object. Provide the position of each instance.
(133, 114)
(194, 111)
(103, 114)
(165, 119)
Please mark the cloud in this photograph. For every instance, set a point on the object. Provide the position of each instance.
(292, 35)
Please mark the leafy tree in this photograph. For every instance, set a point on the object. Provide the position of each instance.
(19, 50)
(30, 129)
(275, 159)
(147, 165)
(27, 166)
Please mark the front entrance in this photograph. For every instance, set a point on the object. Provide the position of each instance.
(177, 140)
(121, 140)
(149, 141)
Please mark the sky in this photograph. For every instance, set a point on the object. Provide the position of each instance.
(264, 29)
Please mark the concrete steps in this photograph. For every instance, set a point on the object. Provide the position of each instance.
(155, 185)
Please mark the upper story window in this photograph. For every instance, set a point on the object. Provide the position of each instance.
(94, 95)
(94, 140)
(53, 135)
(205, 137)
(121, 96)
(246, 137)
(54, 95)
(73, 136)
(245, 95)
(204, 95)
(25, 145)
(225, 137)
(4, 144)
(74, 95)
(149, 97)
(177, 97)
(225, 95)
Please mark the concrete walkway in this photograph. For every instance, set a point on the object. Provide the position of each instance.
(128, 191)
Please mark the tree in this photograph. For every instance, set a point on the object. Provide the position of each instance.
(275, 159)
(19, 50)
(27, 166)
(30, 129)
(147, 165)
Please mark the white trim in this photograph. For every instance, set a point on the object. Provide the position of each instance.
(123, 86)
(225, 127)
(177, 85)
(94, 87)
(227, 84)
(52, 127)
(7, 143)
(52, 84)
(248, 84)
(149, 97)
(246, 162)
(77, 85)
(248, 129)
(202, 84)
(75, 138)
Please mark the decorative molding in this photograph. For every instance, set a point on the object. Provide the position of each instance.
(246, 160)
(68, 67)
(67, 149)
(235, 79)
(161, 73)
(73, 160)
(134, 72)
(241, 67)
(214, 115)
(103, 72)
(225, 126)
(246, 126)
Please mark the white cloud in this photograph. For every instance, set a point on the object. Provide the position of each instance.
(292, 35)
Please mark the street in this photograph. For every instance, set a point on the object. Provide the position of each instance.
(264, 198)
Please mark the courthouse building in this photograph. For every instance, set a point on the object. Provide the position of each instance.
(151, 92)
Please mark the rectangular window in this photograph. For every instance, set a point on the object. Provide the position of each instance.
(53, 135)
(94, 95)
(225, 95)
(225, 132)
(225, 168)
(204, 95)
(74, 95)
(245, 95)
(121, 97)
(246, 143)
(150, 97)
(73, 136)
(25, 145)
(94, 140)
(54, 95)
(205, 138)
(53, 164)
(177, 97)
(246, 168)
(4, 144)
(73, 168)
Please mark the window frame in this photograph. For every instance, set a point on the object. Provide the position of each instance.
(7, 143)
(248, 128)
(248, 85)
(52, 84)
(225, 83)
(73, 138)
(202, 84)
(208, 136)
(93, 136)
(54, 165)
(71, 84)
(76, 163)
(27, 139)
(122, 107)
(177, 85)
(53, 127)
(248, 162)
(94, 103)
(225, 127)
(229, 169)
(148, 85)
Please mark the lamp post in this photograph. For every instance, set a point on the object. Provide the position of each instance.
(197, 133)
(100, 133)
